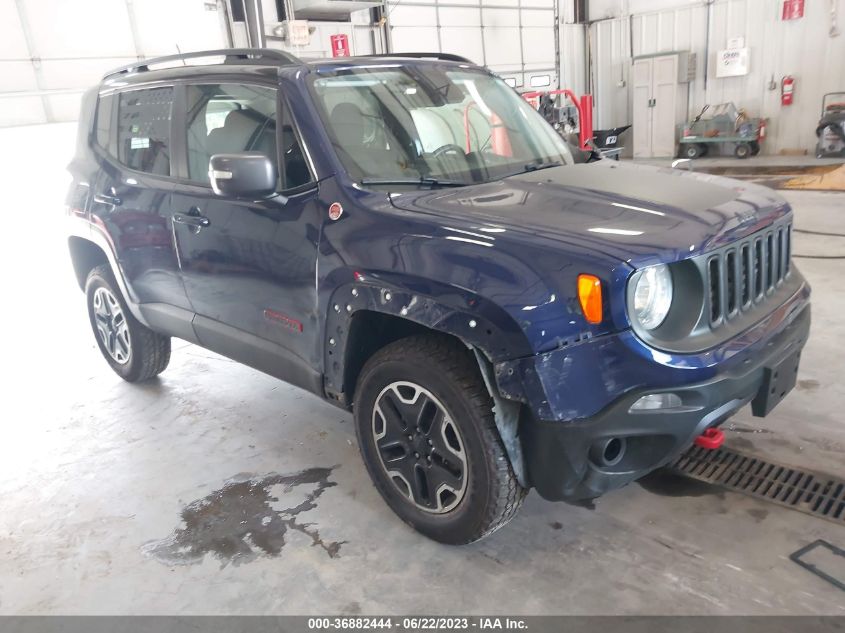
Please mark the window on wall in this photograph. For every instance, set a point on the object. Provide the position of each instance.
(232, 118)
(238, 12)
(143, 129)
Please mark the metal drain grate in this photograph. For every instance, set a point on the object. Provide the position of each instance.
(815, 493)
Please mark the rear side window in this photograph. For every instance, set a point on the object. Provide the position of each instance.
(143, 129)
(104, 111)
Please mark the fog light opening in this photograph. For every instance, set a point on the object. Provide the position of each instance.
(608, 451)
(657, 401)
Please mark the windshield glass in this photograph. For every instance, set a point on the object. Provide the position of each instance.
(391, 124)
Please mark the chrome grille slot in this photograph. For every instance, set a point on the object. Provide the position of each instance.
(770, 263)
(741, 276)
(788, 249)
(730, 277)
(713, 272)
(746, 267)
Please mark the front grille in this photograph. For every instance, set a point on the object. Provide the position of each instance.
(744, 274)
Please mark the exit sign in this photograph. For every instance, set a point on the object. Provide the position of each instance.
(793, 9)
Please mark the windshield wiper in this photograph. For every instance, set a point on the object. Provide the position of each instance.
(423, 180)
(536, 166)
(529, 167)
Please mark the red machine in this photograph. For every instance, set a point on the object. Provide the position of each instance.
(584, 106)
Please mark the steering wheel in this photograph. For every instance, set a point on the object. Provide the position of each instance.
(449, 147)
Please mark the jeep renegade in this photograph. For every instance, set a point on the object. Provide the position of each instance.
(407, 238)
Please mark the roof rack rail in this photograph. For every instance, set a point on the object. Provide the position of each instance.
(231, 56)
(446, 57)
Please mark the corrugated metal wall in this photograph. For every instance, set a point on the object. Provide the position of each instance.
(802, 48)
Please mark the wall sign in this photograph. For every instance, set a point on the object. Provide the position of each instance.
(793, 9)
(340, 45)
(732, 62)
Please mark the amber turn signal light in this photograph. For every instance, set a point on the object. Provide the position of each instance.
(589, 294)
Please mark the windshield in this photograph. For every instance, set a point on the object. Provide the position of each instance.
(427, 125)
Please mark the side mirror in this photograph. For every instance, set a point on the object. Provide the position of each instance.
(245, 175)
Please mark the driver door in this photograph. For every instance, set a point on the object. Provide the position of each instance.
(249, 267)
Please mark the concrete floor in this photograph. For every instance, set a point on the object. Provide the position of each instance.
(96, 476)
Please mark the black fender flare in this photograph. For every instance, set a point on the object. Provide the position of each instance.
(82, 229)
(484, 327)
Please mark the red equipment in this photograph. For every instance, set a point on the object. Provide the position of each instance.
(711, 439)
(584, 106)
(787, 90)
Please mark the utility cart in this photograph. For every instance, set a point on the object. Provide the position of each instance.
(724, 129)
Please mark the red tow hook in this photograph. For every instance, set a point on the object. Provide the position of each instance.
(711, 439)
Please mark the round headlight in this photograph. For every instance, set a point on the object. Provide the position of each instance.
(653, 296)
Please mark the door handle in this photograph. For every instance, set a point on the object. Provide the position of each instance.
(192, 218)
(106, 199)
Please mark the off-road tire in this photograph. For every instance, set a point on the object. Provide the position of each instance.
(445, 368)
(149, 351)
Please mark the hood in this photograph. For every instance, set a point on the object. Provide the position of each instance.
(638, 214)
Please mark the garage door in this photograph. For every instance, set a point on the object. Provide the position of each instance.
(55, 49)
(514, 38)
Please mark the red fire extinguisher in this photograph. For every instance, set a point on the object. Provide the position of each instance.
(787, 90)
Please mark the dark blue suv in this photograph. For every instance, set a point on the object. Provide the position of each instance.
(405, 237)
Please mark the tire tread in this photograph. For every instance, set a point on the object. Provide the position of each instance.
(152, 350)
(460, 368)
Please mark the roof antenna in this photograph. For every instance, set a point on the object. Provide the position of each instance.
(179, 50)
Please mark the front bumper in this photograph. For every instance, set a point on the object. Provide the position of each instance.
(565, 460)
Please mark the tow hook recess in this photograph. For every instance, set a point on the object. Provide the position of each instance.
(711, 439)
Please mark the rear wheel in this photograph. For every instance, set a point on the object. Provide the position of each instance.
(132, 350)
(425, 427)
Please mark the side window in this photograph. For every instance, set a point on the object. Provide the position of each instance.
(103, 127)
(143, 129)
(232, 118)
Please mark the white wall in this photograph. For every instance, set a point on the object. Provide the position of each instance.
(52, 50)
(801, 48)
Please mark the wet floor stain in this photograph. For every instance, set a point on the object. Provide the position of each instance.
(807, 385)
(745, 429)
(741, 443)
(247, 518)
(669, 484)
(757, 514)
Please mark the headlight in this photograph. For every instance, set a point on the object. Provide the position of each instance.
(653, 296)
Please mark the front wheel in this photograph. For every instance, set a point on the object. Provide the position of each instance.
(691, 150)
(132, 350)
(742, 151)
(425, 427)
